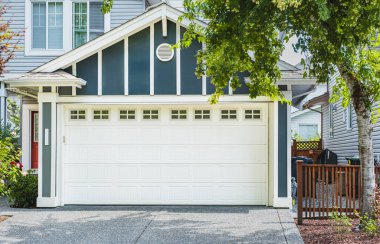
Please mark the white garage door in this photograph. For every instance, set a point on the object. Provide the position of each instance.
(129, 154)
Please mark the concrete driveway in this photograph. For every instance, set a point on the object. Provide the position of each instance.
(148, 224)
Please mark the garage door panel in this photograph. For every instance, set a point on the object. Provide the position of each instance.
(166, 161)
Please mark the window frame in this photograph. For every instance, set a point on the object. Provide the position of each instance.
(253, 114)
(228, 115)
(179, 114)
(202, 114)
(67, 29)
(77, 115)
(47, 2)
(308, 124)
(331, 120)
(349, 117)
(101, 114)
(150, 114)
(88, 21)
(127, 114)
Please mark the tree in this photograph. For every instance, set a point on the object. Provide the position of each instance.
(243, 35)
(9, 39)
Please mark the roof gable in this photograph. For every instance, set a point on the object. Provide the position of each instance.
(151, 16)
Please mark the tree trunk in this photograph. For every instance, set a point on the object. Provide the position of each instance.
(361, 104)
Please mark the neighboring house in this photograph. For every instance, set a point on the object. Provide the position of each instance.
(306, 124)
(122, 119)
(339, 126)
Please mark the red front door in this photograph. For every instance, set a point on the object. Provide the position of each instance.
(34, 140)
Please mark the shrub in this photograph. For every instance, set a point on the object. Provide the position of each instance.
(342, 223)
(23, 191)
(368, 225)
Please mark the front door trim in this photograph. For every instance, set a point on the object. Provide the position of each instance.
(26, 130)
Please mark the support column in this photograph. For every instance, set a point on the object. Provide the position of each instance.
(3, 103)
(282, 170)
(47, 103)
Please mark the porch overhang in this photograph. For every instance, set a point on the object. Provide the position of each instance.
(45, 79)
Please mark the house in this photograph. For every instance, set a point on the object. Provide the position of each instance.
(339, 126)
(306, 122)
(122, 118)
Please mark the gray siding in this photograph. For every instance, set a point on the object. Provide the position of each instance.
(122, 11)
(46, 150)
(345, 141)
(282, 149)
(20, 63)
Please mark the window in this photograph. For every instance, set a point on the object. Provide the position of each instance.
(179, 114)
(47, 25)
(252, 114)
(88, 22)
(35, 127)
(331, 120)
(202, 114)
(127, 114)
(228, 114)
(101, 114)
(150, 114)
(78, 114)
(349, 116)
(308, 131)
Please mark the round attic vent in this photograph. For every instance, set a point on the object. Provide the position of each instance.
(164, 52)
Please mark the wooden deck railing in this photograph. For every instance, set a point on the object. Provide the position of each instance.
(310, 149)
(325, 188)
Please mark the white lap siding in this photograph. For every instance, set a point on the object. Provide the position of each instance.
(345, 141)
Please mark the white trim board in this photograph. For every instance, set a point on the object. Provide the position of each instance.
(26, 133)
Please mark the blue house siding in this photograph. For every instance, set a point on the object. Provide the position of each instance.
(243, 89)
(139, 63)
(113, 69)
(164, 72)
(87, 69)
(210, 88)
(46, 150)
(190, 84)
(66, 91)
(282, 150)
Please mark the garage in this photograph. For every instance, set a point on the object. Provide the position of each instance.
(166, 154)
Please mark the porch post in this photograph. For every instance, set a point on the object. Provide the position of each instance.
(3, 103)
(47, 102)
(282, 169)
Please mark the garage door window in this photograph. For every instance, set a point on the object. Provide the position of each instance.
(179, 114)
(253, 114)
(150, 114)
(78, 114)
(127, 114)
(228, 114)
(202, 114)
(101, 114)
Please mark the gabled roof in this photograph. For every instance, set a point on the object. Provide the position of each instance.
(38, 79)
(320, 100)
(152, 15)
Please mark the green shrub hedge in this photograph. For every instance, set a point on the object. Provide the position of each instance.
(23, 191)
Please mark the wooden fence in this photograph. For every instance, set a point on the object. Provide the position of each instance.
(310, 149)
(325, 188)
